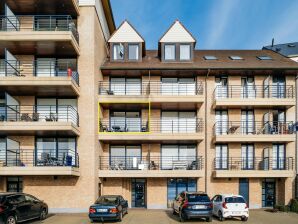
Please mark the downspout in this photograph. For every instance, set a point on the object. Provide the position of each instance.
(205, 135)
(296, 136)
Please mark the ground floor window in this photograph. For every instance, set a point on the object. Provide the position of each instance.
(14, 184)
(177, 185)
(138, 193)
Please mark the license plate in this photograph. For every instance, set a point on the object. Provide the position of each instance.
(236, 213)
(102, 210)
(199, 207)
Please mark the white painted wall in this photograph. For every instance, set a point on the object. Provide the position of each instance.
(126, 33)
(177, 34)
(295, 59)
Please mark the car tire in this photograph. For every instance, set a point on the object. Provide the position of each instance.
(220, 216)
(181, 216)
(11, 219)
(43, 214)
(120, 216)
(91, 220)
(174, 212)
(209, 219)
(244, 219)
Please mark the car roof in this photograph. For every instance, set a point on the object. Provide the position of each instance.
(10, 193)
(195, 192)
(231, 195)
(111, 195)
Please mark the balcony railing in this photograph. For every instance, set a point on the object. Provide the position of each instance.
(39, 23)
(253, 128)
(44, 157)
(37, 113)
(254, 163)
(254, 91)
(137, 88)
(153, 125)
(44, 68)
(150, 163)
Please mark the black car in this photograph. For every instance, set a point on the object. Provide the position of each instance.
(19, 207)
(108, 207)
(193, 205)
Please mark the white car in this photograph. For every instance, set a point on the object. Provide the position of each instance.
(229, 206)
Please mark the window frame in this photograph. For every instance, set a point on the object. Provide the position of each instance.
(236, 58)
(190, 54)
(265, 58)
(138, 54)
(113, 51)
(164, 51)
(210, 58)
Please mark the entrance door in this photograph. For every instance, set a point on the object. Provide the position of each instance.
(138, 193)
(268, 193)
(244, 189)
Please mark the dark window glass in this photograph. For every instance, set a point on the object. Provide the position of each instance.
(234, 200)
(133, 52)
(198, 198)
(109, 200)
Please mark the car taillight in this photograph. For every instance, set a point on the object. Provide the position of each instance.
(246, 206)
(224, 205)
(113, 210)
(210, 205)
(185, 204)
(92, 210)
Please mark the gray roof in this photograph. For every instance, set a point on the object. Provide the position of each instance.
(289, 50)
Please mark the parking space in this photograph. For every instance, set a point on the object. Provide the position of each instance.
(166, 217)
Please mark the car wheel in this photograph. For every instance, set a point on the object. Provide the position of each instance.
(220, 216)
(244, 219)
(126, 211)
(174, 212)
(181, 216)
(120, 217)
(91, 220)
(209, 219)
(11, 220)
(43, 214)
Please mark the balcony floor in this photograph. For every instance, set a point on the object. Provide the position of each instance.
(254, 138)
(253, 173)
(42, 171)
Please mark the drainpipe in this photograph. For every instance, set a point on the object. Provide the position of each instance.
(205, 125)
(296, 136)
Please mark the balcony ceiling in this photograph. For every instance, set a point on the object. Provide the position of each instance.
(41, 7)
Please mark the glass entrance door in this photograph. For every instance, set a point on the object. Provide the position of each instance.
(138, 193)
(268, 193)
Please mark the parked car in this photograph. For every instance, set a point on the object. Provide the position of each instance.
(193, 205)
(19, 207)
(108, 207)
(229, 206)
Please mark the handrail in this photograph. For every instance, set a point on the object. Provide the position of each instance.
(40, 157)
(148, 162)
(254, 91)
(37, 113)
(253, 163)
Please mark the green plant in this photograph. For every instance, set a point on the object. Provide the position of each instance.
(284, 208)
(294, 205)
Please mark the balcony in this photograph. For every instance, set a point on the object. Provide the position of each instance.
(40, 77)
(254, 167)
(39, 34)
(259, 96)
(151, 166)
(170, 94)
(39, 120)
(249, 131)
(29, 162)
(153, 130)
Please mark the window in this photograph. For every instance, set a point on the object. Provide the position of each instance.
(264, 57)
(170, 52)
(125, 86)
(118, 51)
(178, 86)
(14, 184)
(210, 57)
(125, 157)
(125, 121)
(133, 52)
(184, 52)
(236, 58)
(178, 122)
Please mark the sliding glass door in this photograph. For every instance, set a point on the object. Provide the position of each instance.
(278, 157)
(125, 157)
(247, 156)
(248, 87)
(247, 122)
(125, 86)
(221, 160)
(178, 86)
(125, 121)
(221, 118)
(178, 122)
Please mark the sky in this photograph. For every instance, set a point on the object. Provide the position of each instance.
(216, 24)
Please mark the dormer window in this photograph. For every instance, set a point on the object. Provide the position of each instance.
(170, 52)
(185, 52)
(133, 52)
(118, 52)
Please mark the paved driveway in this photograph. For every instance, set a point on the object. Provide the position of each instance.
(166, 217)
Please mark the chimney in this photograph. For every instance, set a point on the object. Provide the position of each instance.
(272, 43)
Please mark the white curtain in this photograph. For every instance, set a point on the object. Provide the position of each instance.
(247, 122)
(221, 117)
(221, 152)
(187, 122)
(247, 155)
(133, 86)
(46, 108)
(67, 110)
(169, 52)
(117, 86)
(45, 67)
(169, 122)
(184, 52)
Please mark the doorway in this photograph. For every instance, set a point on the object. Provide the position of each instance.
(244, 189)
(268, 193)
(138, 193)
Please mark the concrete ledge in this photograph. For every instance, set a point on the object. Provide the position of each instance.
(254, 173)
(150, 173)
(255, 102)
(40, 171)
(254, 138)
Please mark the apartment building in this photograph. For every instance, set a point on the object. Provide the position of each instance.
(177, 118)
(289, 50)
(49, 69)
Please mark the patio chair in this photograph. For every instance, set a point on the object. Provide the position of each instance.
(35, 116)
(25, 117)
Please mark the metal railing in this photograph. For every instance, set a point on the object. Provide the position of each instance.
(153, 87)
(150, 163)
(254, 163)
(39, 157)
(253, 127)
(254, 91)
(40, 68)
(37, 113)
(153, 125)
(39, 23)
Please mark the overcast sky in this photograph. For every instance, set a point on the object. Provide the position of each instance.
(216, 24)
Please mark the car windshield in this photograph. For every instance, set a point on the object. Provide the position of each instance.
(198, 198)
(234, 200)
(111, 200)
